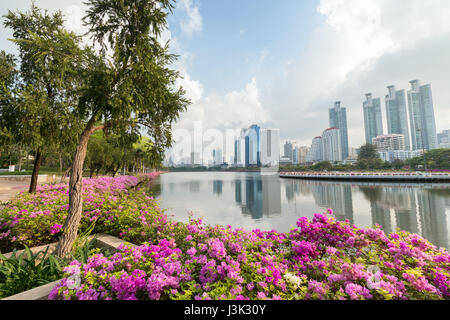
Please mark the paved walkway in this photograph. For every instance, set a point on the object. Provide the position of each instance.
(8, 189)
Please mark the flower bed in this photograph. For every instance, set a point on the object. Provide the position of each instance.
(37, 219)
(319, 259)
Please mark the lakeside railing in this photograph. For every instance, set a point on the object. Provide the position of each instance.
(392, 176)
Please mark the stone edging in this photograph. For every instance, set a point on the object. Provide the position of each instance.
(42, 292)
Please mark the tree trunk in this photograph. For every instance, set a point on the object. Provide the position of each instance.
(35, 174)
(66, 174)
(70, 228)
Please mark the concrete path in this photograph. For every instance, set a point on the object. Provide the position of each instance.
(12, 185)
(8, 189)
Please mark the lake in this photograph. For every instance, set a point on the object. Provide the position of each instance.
(251, 200)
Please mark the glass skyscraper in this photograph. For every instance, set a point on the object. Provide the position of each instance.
(254, 146)
(397, 119)
(372, 118)
(338, 119)
(421, 116)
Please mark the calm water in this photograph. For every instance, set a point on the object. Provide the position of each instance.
(251, 200)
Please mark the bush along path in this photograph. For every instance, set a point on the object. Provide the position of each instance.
(36, 219)
(318, 259)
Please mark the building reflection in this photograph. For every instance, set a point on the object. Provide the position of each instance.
(335, 196)
(194, 186)
(258, 196)
(412, 208)
(217, 187)
(417, 210)
(380, 212)
(292, 189)
(431, 207)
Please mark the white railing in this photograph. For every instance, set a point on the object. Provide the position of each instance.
(371, 175)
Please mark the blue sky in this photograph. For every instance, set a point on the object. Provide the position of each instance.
(236, 35)
(283, 64)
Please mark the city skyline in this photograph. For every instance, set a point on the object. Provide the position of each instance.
(415, 115)
(239, 70)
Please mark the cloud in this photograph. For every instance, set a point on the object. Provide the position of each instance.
(194, 21)
(361, 47)
(219, 117)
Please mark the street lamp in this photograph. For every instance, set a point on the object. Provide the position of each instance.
(423, 150)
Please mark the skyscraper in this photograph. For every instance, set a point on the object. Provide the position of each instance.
(315, 153)
(270, 147)
(239, 151)
(253, 146)
(332, 149)
(195, 159)
(421, 116)
(372, 118)
(217, 157)
(288, 150)
(397, 119)
(295, 154)
(338, 119)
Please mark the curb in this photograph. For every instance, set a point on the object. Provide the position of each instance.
(42, 292)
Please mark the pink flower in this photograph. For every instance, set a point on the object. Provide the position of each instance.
(192, 251)
(55, 228)
(261, 295)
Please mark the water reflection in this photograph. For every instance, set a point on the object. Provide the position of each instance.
(217, 187)
(337, 197)
(258, 196)
(248, 199)
(414, 208)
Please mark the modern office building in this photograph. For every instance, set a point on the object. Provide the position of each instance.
(217, 157)
(288, 150)
(421, 116)
(338, 119)
(443, 139)
(195, 159)
(397, 119)
(256, 147)
(332, 148)
(239, 152)
(315, 153)
(270, 147)
(253, 146)
(295, 154)
(255, 141)
(372, 118)
(389, 142)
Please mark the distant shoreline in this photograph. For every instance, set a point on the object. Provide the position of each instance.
(379, 176)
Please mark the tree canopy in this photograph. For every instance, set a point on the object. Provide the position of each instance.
(40, 111)
(129, 86)
(368, 151)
